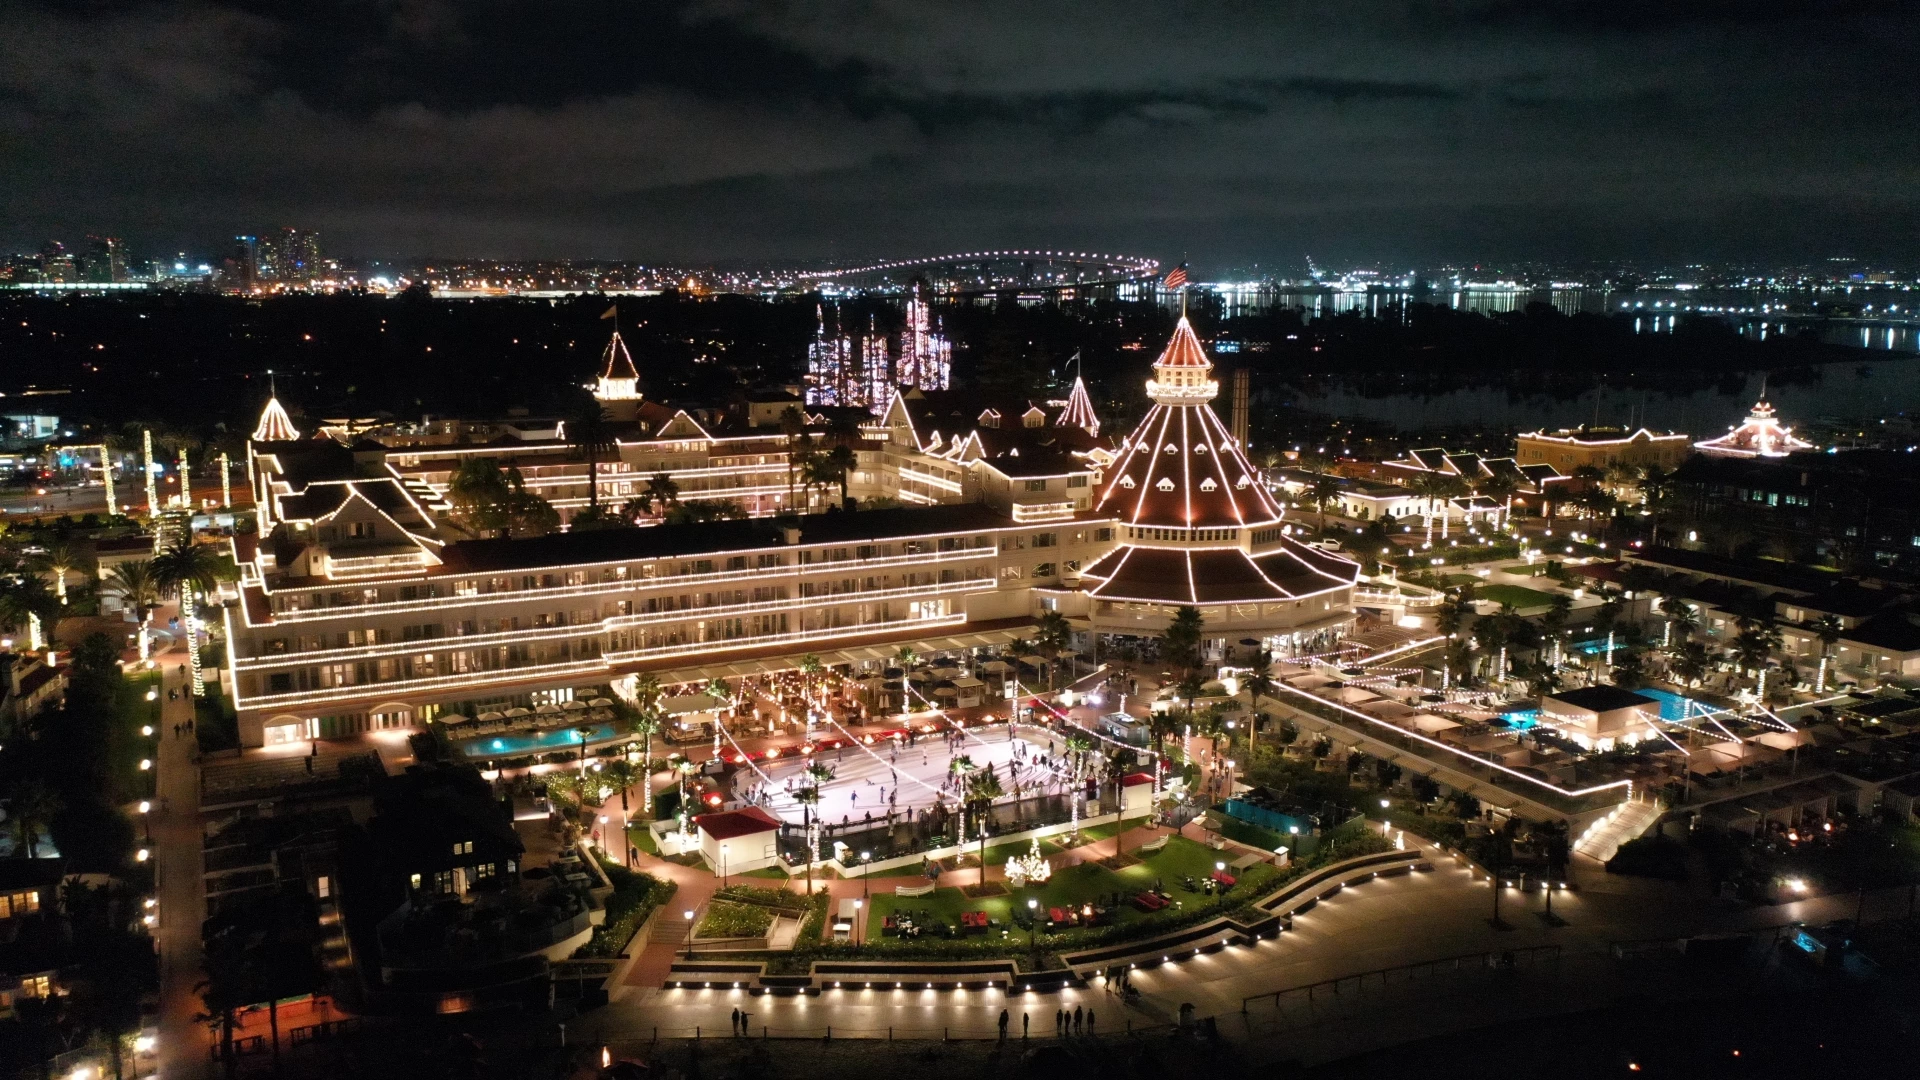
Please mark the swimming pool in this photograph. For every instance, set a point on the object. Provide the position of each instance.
(1522, 719)
(1675, 706)
(531, 742)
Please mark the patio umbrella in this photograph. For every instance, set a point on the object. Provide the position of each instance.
(576, 705)
(489, 716)
(547, 709)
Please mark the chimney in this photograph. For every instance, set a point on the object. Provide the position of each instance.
(1242, 393)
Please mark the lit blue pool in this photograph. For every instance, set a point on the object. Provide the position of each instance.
(1674, 706)
(532, 742)
(1522, 719)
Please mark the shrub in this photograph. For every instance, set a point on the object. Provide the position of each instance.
(634, 897)
(1651, 856)
(784, 899)
(725, 919)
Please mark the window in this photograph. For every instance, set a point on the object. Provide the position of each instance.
(463, 848)
(1043, 570)
(414, 880)
(1078, 480)
(1036, 485)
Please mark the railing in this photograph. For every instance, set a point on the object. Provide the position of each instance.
(619, 585)
(1381, 978)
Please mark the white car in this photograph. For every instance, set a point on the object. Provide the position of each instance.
(1328, 544)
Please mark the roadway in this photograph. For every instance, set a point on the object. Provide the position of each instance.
(181, 890)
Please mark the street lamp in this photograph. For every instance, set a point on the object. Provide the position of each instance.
(723, 866)
(857, 905)
(145, 808)
(689, 915)
(865, 858)
(1033, 924)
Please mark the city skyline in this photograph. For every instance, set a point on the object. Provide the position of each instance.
(1390, 132)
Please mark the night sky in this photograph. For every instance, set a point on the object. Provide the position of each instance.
(1228, 132)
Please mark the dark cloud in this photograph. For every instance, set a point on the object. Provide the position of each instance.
(714, 129)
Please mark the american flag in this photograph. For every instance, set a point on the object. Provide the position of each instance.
(1177, 278)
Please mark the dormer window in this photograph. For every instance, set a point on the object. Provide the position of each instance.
(1126, 481)
(1242, 482)
(990, 418)
(1165, 484)
(1200, 449)
(1172, 449)
(1208, 484)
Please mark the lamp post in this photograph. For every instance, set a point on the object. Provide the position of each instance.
(1033, 924)
(689, 915)
(146, 821)
(723, 866)
(866, 857)
(857, 935)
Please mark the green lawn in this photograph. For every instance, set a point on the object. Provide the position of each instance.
(1519, 597)
(1523, 570)
(770, 873)
(1069, 886)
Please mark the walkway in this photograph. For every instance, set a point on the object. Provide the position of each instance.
(181, 884)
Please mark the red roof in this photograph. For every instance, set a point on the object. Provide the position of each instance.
(1181, 468)
(1135, 779)
(1216, 575)
(1184, 350)
(731, 823)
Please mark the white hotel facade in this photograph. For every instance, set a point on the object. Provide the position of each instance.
(363, 607)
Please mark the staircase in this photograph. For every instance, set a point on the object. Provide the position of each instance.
(1623, 823)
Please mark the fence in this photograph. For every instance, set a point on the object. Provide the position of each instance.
(1383, 978)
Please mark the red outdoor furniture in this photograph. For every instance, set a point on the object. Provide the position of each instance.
(1224, 878)
(1147, 901)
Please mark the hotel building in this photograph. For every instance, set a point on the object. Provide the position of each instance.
(365, 606)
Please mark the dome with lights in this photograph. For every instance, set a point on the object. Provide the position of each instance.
(1197, 524)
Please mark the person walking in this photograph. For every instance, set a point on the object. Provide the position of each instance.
(1003, 1025)
(1059, 1022)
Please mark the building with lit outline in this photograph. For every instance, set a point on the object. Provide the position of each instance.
(363, 605)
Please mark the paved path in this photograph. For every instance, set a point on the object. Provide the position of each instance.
(182, 893)
(1377, 924)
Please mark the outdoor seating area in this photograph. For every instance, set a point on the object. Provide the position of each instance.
(912, 923)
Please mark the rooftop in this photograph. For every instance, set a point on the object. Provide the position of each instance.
(729, 824)
(1602, 697)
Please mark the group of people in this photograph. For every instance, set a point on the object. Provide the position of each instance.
(1080, 1021)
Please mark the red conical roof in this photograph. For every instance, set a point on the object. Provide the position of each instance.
(1184, 350)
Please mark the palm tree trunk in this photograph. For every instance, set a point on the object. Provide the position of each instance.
(273, 1029)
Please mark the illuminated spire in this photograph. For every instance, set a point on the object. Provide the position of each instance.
(1180, 375)
(619, 381)
(1079, 410)
(1761, 436)
(275, 425)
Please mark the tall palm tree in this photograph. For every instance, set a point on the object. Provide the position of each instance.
(138, 587)
(1053, 635)
(982, 788)
(1501, 487)
(646, 724)
(1430, 486)
(187, 570)
(1826, 628)
(590, 431)
(1259, 683)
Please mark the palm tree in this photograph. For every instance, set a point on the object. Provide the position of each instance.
(186, 570)
(477, 490)
(1053, 635)
(61, 558)
(33, 806)
(647, 724)
(1501, 486)
(590, 431)
(1827, 628)
(1682, 620)
(1259, 683)
(1430, 486)
(808, 796)
(1323, 489)
(1757, 640)
(843, 461)
(1180, 642)
(26, 603)
(1690, 660)
(138, 587)
(662, 493)
(983, 786)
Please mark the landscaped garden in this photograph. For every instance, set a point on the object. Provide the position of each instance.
(635, 896)
(727, 919)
